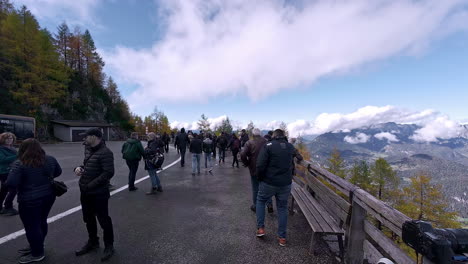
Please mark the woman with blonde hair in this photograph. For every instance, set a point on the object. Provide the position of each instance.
(8, 155)
(31, 175)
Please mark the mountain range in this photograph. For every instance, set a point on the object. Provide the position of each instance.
(445, 160)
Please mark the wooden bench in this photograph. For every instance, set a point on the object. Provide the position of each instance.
(322, 221)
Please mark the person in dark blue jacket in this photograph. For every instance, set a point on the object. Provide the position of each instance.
(275, 171)
(30, 175)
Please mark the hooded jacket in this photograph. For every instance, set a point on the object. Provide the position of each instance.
(132, 149)
(182, 140)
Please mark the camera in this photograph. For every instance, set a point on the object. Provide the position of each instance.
(438, 245)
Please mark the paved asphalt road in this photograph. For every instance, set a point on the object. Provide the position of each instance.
(201, 219)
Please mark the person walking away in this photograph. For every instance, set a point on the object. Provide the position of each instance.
(244, 138)
(166, 139)
(155, 147)
(8, 155)
(249, 155)
(196, 150)
(181, 142)
(222, 145)
(234, 144)
(274, 170)
(208, 150)
(30, 175)
(132, 152)
(95, 173)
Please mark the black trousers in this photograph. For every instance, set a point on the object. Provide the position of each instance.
(166, 147)
(222, 154)
(6, 194)
(34, 214)
(182, 156)
(234, 157)
(133, 168)
(97, 206)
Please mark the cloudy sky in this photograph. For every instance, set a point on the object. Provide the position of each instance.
(317, 65)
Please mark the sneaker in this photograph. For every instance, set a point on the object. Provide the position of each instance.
(132, 189)
(270, 209)
(282, 241)
(260, 232)
(159, 189)
(24, 251)
(108, 252)
(88, 247)
(253, 208)
(30, 259)
(10, 211)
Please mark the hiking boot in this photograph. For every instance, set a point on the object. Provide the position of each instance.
(253, 208)
(260, 232)
(270, 208)
(9, 211)
(88, 247)
(24, 251)
(132, 189)
(282, 241)
(159, 189)
(107, 253)
(30, 259)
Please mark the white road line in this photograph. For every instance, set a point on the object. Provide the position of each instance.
(75, 209)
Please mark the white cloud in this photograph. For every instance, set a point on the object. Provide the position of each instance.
(434, 125)
(77, 12)
(359, 138)
(386, 135)
(215, 48)
(441, 127)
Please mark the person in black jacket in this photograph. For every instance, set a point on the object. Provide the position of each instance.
(235, 146)
(274, 171)
(166, 139)
(181, 143)
(244, 137)
(196, 150)
(95, 173)
(222, 143)
(30, 175)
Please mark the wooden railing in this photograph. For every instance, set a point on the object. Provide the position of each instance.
(364, 241)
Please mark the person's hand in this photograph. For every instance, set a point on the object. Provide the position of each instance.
(79, 171)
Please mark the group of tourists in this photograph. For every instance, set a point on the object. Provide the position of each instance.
(270, 160)
(30, 173)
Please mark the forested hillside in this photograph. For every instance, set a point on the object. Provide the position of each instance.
(54, 75)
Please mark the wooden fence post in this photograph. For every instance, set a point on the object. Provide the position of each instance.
(356, 235)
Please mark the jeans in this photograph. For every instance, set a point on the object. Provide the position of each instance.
(155, 182)
(182, 156)
(255, 182)
(208, 161)
(6, 194)
(97, 206)
(34, 214)
(265, 192)
(222, 154)
(133, 168)
(196, 162)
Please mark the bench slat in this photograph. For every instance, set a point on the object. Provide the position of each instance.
(321, 214)
(317, 217)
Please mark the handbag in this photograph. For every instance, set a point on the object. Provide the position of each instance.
(59, 187)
